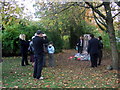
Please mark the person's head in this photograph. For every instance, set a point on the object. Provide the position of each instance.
(39, 33)
(35, 34)
(50, 43)
(22, 36)
(99, 38)
(91, 35)
(81, 37)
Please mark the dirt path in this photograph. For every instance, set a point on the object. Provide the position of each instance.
(63, 61)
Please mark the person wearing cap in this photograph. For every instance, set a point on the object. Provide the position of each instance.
(38, 42)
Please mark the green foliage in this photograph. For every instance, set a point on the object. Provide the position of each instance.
(55, 37)
(66, 44)
(105, 38)
(10, 40)
(10, 36)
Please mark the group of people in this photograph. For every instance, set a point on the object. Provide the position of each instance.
(37, 47)
(93, 46)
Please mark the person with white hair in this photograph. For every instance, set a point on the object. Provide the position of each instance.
(45, 51)
(24, 49)
(31, 49)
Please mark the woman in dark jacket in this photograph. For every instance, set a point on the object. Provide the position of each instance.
(80, 44)
(24, 49)
(100, 50)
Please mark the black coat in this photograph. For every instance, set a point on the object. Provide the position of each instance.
(38, 45)
(24, 46)
(79, 43)
(93, 46)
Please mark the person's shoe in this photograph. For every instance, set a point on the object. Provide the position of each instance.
(98, 64)
(44, 66)
(41, 78)
(92, 66)
(22, 65)
(27, 64)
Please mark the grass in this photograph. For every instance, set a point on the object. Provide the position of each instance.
(67, 74)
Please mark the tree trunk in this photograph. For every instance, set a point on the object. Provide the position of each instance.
(111, 32)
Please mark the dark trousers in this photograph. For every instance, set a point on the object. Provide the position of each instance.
(44, 59)
(94, 58)
(51, 60)
(38, 66)
(32, 58)
(99, 57)
(24, 59)
(80, 49)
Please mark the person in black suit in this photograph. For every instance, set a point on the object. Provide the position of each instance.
(93, 50)
(24, 49)
(80, 44)
(38, 43)
(100, 50)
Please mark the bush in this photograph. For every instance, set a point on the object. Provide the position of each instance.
(10, 43)
(10, 37)
(55, 37)
(66, 44)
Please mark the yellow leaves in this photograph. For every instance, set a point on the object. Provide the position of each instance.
(62, 74)
(60, 23)
(56, 14)
(60, 29)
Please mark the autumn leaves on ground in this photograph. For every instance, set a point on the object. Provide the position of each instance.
(68, 73)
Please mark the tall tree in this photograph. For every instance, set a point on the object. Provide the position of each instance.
(12, 12)
(105, 22)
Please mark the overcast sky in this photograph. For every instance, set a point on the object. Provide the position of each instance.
(29, 10)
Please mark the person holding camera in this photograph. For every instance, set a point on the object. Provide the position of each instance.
(38, 43)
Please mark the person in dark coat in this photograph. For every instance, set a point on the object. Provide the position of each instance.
(100, 50)
(80, 44)
(24, 49)
(38, 42)
(93, 50)
(31, 49)
(45, 51)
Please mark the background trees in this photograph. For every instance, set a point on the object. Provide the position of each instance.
(106, 20)
(63, 22)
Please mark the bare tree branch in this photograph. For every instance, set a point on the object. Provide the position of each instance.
(99, 6)
(104, 23)
(118, 3)
(98, 21)
(116, 15)
(64, 9)
(95, 10)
